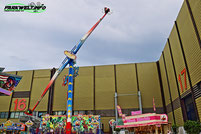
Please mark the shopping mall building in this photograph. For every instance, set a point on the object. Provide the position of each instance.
(174, 81)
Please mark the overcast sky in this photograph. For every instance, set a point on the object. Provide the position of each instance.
(136, 31)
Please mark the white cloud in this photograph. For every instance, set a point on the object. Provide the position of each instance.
(34, 41)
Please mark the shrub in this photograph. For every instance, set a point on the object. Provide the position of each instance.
(192, 127)
(117, 129)
(175, 128)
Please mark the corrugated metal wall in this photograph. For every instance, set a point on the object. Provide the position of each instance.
(5, 103)
(60, 93)
(179, 117)
(170, 73)
(104, 87)
(105, 121)
(84, 89)
(178, 60)
(170, 117)
(40, 81)
(25, 83)
(23, 86)
(127, 84)
(196, 11)
(190, 44)
(198, 103)
(164, 81)
(149, 84)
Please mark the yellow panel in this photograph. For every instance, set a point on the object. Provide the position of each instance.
(12, 72)
(104, 87)
(196, 10)
(164, 81)
(126, 84)
(190, 44)
(25, 83)
(84, 89)
(178, 60)
(170, 73)
(170, 118)
(60, 93)
(179, 117)
(105, 121)
(40, 81)
(15, 120)
(4, 103)
(198, 104)
(19, 103)
(3, 120)
(149, 84)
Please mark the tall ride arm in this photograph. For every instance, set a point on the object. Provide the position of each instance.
(77, 47)
(66, 61)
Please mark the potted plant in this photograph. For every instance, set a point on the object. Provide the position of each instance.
(192, 127)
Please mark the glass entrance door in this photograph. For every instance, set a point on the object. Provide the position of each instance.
(190, 110)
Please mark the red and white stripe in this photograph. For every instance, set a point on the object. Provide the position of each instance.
(3, 78)
(154, 106)
(119, 110)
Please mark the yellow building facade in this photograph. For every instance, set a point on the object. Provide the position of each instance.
(174, 81)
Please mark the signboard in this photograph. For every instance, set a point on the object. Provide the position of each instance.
(144, 120)
(183, 73)
(8, 83)
(20, 104)
(136, 113)
(29, 123)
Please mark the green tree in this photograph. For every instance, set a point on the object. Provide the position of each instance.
(192, 127)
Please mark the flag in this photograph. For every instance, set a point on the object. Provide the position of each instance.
(154, 106)
(3, 78)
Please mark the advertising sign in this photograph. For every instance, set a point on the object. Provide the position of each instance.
(29, 123)
(8, 83)
(144, 120)
(136, 112)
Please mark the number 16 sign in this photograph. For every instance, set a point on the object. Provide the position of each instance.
(20, 105)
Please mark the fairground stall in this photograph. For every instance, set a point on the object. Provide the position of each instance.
(80, 123)
(12, 127)
(144, 123)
